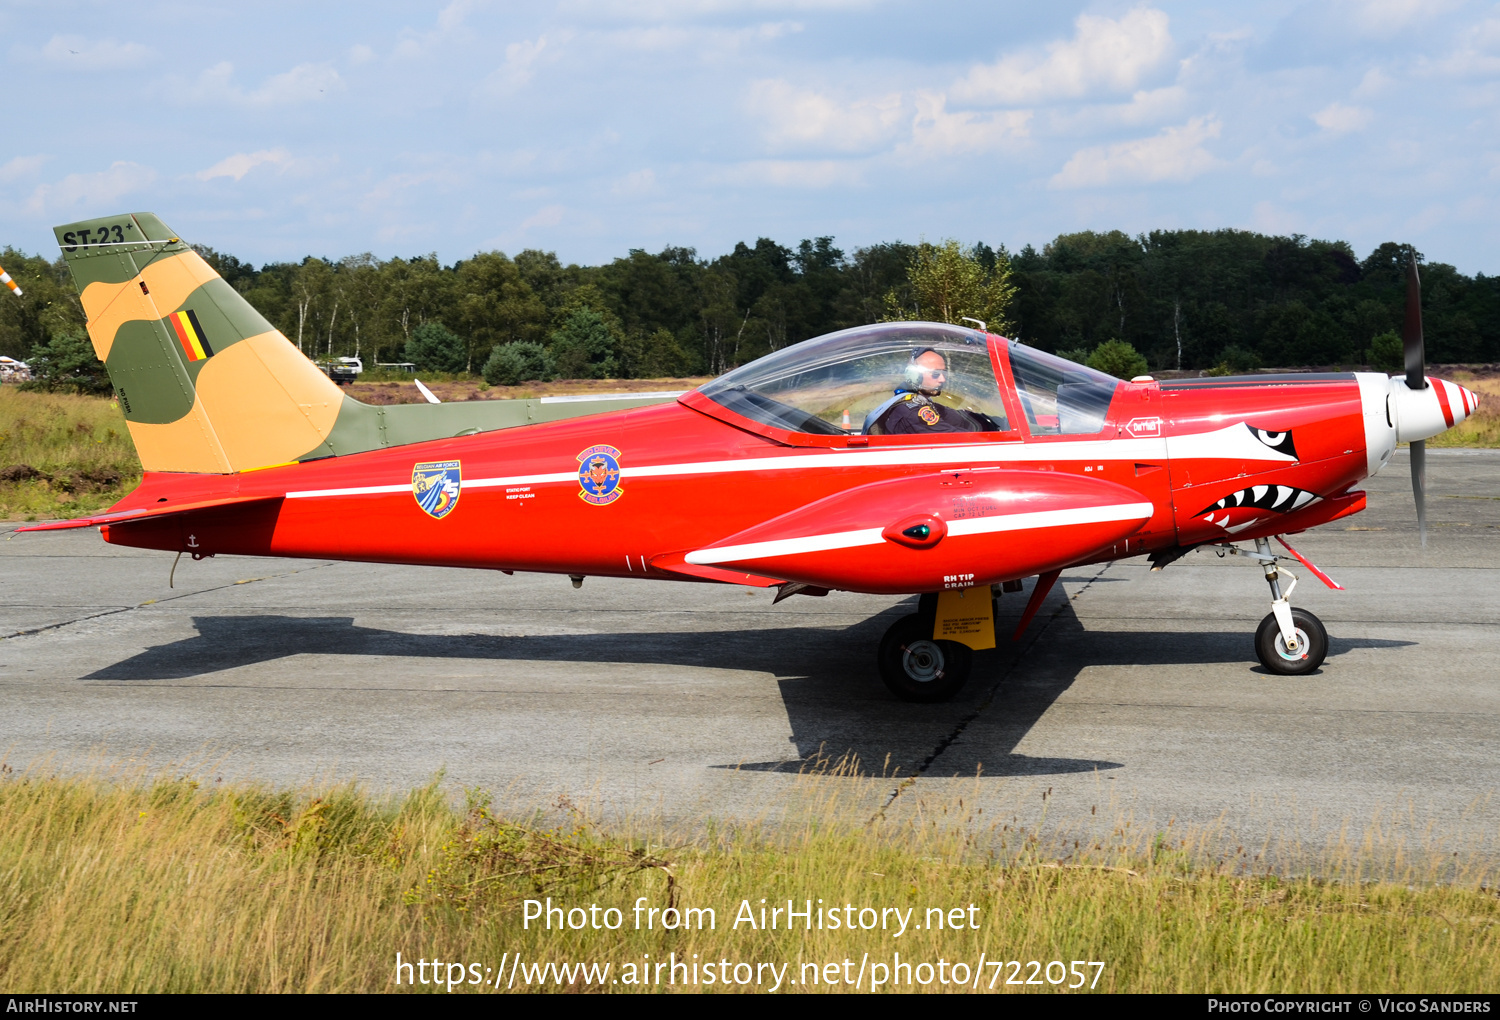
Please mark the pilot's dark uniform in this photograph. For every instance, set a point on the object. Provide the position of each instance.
(914, 414)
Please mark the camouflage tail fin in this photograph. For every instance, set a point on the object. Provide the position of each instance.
(205, 382)
(208, 385)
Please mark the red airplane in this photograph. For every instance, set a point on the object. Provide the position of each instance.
(901, 458)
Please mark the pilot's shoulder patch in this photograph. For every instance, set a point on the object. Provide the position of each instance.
(927, 414)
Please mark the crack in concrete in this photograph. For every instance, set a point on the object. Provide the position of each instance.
(947, 741)
(155, 602)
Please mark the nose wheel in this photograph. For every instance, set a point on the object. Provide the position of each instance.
(917, 668)
(1288, 642)
(1311, 644)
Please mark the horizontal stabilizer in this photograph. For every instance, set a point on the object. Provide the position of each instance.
(146, 513)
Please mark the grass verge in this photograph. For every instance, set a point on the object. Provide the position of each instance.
(62, 455)
(171, 885)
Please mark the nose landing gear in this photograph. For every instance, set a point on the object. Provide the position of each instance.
(1289, 642)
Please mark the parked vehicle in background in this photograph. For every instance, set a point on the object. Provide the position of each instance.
(12, 370)
(343, 370)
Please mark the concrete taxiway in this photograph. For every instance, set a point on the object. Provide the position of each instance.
(1134, 691)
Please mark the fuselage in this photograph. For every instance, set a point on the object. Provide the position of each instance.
(1204, 460)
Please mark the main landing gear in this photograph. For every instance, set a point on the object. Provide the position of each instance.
(1290, 642)
(915, 666)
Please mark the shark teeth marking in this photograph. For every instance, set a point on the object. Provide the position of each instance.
(1280, 498)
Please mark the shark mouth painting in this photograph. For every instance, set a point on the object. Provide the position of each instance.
(1244, 507)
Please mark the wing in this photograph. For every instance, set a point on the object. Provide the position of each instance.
(929, 532)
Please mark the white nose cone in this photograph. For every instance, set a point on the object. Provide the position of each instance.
(1422, 414)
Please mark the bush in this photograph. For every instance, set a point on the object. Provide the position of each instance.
(584, 348)
(435, 348)
(1236, 361)
(1119, 359)
(1387, 353)
(67, 362)
(1078, 354)
(509, 364)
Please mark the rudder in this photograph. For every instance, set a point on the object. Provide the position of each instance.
(206, 383)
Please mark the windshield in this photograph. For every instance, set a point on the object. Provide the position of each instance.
(832, 384)
(1060, 397)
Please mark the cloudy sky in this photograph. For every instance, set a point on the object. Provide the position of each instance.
(272, 130)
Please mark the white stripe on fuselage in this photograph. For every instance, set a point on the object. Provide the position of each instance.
(1234, 442)
(968, 526)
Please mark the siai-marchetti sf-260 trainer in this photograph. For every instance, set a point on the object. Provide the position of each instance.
(901, 458)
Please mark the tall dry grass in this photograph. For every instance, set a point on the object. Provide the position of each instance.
(62, 455)
(115, 884)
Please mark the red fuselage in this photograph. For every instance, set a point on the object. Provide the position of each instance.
(704, 494)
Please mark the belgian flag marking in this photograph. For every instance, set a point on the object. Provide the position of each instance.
(190, 334)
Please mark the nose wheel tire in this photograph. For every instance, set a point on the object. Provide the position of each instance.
(917, 668)
(1312, 644)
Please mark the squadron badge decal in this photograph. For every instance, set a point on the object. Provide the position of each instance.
(435, 486)
(599, 475)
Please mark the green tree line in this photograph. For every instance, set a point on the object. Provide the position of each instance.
(1220, 300)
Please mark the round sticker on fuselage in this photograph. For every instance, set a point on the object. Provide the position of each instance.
(599, 475)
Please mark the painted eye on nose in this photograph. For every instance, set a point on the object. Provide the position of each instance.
(1281, 441)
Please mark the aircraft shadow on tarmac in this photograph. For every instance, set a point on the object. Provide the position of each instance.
(836, 705)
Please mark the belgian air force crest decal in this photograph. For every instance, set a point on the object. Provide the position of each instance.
(436, 485)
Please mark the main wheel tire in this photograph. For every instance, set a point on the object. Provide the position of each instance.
(917, 668)
(1312, 636)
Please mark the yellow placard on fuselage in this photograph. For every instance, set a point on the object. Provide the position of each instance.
(966, 615)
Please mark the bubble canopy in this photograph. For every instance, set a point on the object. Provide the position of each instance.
(829, 385)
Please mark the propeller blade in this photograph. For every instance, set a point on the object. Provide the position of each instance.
(1419, 484)
(1411, 329)
(1416, 379)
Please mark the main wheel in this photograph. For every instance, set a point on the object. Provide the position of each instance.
(1312, 641)
(917, 668)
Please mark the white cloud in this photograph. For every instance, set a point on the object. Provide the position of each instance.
(303, 83)
(638, 182)
(790, 173)
(1383, 17)
(1271, 219)
(241, 163)
(1375, 82)
(1478, 56)
(450, 19)
(359, 53)
(79, 54)
(90, 191)
(680, 10)
(397, 189)
(1176, 154)
(519, 68)
(702, 43)
(935, 131)
(1103, 55)
(1338, 119)
(1145, 107)
(798, 118)
(19, 167)
(546, 216)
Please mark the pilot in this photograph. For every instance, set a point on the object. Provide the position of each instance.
(914, 410)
